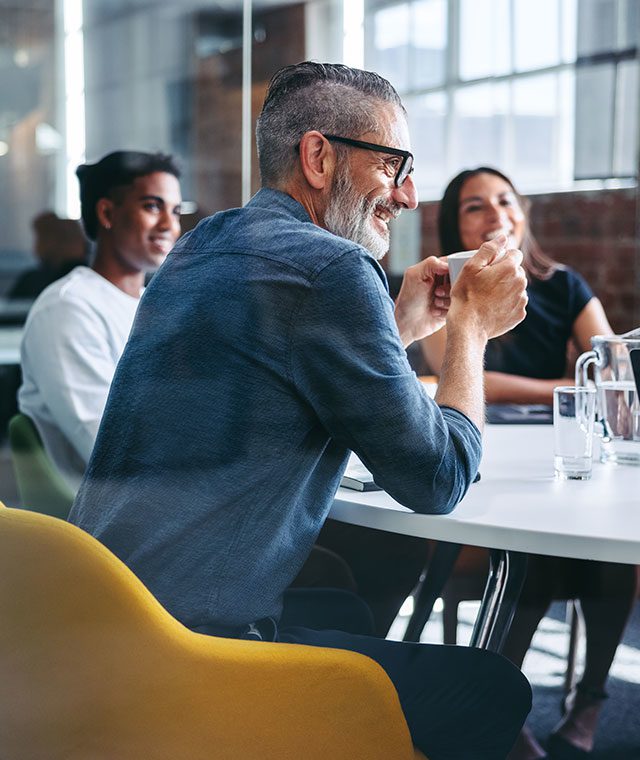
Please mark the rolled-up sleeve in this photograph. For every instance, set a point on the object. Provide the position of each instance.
(348, 362)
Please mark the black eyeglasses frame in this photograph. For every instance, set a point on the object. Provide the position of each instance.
(405, 168)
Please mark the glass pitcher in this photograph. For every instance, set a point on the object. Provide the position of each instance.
(618, 407)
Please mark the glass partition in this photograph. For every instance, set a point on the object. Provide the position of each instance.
(80, 79)
(29, 131)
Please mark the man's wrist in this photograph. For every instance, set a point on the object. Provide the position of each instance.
(467, 328)
(404, 328)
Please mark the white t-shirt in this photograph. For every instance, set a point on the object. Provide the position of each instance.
(74, 336)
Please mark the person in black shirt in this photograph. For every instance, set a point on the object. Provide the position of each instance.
(60, 245)
(523, 367)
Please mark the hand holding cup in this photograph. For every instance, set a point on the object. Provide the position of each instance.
(489, 292)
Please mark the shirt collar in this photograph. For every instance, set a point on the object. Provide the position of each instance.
(268, 197)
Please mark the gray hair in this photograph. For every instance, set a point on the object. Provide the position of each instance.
(330, 97)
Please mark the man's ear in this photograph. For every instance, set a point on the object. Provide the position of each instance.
(317, 159)
(104, 212)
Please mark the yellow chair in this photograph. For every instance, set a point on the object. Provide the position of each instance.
(93, 667)
(40, 485)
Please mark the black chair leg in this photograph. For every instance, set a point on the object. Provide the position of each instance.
(507, 571)
(435, 577)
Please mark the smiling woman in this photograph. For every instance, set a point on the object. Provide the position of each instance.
(522, 367)
(488, 208)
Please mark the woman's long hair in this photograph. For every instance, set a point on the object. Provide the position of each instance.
(536, 263)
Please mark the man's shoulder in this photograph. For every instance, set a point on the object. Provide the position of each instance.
(82, 291)
(77, 283)
(271, 226)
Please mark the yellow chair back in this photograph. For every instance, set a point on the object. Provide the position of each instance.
(94, 668)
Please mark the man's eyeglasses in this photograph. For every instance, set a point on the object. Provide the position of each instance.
(399, 169)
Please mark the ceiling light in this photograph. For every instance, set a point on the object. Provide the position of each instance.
(21, 58)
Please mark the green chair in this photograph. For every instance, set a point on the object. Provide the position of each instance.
(40, 485)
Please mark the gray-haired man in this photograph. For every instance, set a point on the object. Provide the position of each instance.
(275, 349)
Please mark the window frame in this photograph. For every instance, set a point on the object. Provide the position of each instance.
(453, 83)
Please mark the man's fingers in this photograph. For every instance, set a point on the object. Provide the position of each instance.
(512, 257)
(433, 266)
(490, 251)
(516, 254)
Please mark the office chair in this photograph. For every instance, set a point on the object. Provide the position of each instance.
(40, 485)
(93, 666)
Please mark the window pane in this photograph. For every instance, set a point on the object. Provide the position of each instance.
(631, 24)
(569, 29)
(391, 42)
(540, 135)
(594, 120)
(429, 39)
(484, 38)
(427, 124)
(626, 129)
(537, 34)
(479, 125)
(597, 26)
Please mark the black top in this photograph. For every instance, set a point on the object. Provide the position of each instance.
(31, 283)
(537, 347)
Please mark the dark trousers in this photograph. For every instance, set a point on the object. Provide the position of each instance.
(460, 703)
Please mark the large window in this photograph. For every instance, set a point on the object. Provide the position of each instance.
(546, 90)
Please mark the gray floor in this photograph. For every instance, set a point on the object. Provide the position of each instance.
(619, 735)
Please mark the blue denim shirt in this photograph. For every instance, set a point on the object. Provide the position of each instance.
(263, 350)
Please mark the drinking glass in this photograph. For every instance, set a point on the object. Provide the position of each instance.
(573, 417)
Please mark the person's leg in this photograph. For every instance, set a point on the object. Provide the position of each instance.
(460, 703)
(538, 590)
(606, 602)
(607, 593)
(386, 566)
(535, 598)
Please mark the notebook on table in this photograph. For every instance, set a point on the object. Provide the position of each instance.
(357, 477)
(519, 414)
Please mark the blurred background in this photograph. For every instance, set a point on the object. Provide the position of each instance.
(547, 90)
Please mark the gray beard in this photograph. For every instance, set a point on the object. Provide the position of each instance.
(349, 215)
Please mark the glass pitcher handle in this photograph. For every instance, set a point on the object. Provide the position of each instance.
(582, 365)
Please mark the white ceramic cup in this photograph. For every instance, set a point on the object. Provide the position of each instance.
(456, 261)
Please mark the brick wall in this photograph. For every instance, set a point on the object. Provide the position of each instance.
(595, 232)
